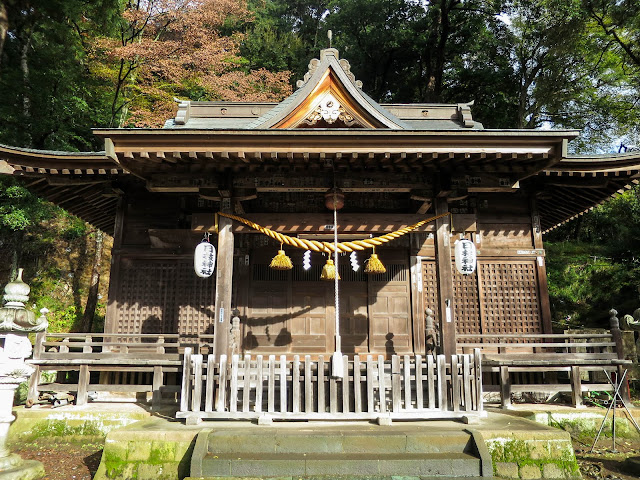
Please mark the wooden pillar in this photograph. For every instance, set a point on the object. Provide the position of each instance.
(111, 320)
(417, 303)
(541, 270)
(224, 276)
(445, 280)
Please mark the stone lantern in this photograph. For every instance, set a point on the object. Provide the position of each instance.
(16, 322)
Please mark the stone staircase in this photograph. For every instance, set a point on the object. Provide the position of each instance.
(354, 451)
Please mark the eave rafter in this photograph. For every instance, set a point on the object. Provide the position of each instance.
(577, 184)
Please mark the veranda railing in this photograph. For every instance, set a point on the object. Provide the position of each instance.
(410, 387)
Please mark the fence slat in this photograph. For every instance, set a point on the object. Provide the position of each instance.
(406, 368)
(283, 383)
(271, 381)
(346, 385)
(321, 393)
(441, 378)
(233, 394)
(431, 382)
(382, 390)
(396, 383)
(211, 383)
(455, 383)
(419, 386)
(467, 378)
(186, 376)
(477, 360)
(333, 395)
(196, 398)
(308, 385)
(259, 380)
(357, 386)
(246, 387)
(222, 384)
(295, 383)
(370, 387)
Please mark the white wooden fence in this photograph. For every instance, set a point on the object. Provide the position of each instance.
(409, 387)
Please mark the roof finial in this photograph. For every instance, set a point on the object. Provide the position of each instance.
(330, 35)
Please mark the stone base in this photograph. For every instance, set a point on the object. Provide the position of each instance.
(18, 469)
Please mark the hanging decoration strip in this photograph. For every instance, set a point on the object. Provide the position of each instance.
(329, 247)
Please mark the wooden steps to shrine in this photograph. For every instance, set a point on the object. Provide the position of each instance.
(355, 451)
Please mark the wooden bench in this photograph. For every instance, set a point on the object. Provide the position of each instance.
(113, 355)
(574, 353)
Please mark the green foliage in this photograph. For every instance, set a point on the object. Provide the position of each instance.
(19, 208)
(593, 263)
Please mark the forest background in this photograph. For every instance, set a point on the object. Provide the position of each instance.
(67, 66)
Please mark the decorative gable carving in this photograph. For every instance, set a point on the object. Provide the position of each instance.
(329, 110)
(329, 96)
(315, 63)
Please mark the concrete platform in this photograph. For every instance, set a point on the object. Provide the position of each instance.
(162, 448)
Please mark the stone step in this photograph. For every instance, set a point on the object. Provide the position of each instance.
(343, 477)
(272, 441)
(342, 464)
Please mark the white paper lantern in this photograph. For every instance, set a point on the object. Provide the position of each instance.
(204, 259)
(465, 256)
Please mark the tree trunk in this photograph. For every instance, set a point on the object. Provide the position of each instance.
(16, 253)
(26, 84)
(4, 27)
(92, 297)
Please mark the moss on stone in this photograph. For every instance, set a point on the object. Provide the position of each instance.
(522, 452)
(162, 452)
(63, 428)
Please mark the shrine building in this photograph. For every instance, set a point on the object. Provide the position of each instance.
(157, 191)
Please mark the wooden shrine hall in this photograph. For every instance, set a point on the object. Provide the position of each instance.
(157, 191)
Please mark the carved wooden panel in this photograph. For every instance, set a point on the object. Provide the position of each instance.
(509, 296)
(164, 296)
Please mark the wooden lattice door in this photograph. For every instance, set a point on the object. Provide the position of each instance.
(509, 296)
(502, 296)
(163, 296)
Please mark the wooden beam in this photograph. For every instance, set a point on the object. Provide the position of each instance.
(424, 208)
(541, 269)
(445, 281)
(319, 223)
(224, 287)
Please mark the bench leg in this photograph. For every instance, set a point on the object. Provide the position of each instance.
(505, 387)
(83, 385)
(576, 386)
(34, 381)
(158, 381)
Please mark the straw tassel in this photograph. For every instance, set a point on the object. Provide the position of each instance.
(281, 261)
(329, 271)
(374, 265)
